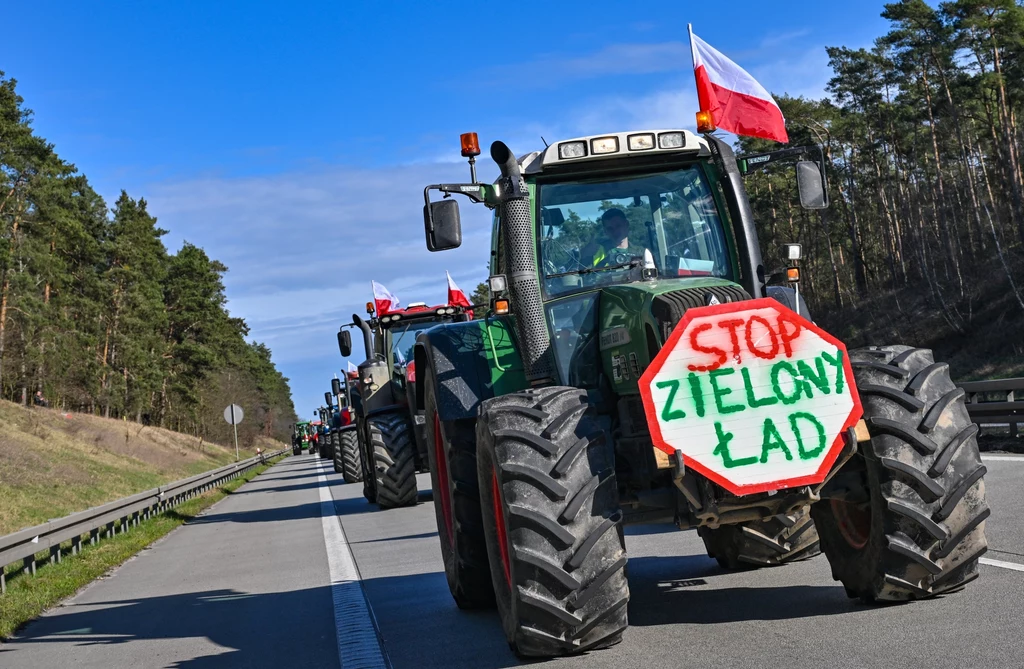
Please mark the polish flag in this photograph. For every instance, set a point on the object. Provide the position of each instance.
(384, 301)
(457, 298)
(738, 104)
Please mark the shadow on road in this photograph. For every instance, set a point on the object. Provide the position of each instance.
(669, 590)
(278, 629)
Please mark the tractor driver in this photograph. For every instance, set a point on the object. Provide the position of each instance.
(599, 252)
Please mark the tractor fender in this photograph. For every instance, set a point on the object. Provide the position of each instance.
(790, 298)
(472, 361)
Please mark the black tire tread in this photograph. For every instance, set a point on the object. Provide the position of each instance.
(394, 455)
(924, 477)
(568, 570)
(350, 456)
(778, 540)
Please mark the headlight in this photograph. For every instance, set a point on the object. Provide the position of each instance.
(600, 145)
(395, 317)
(671, 140)
(497, 284)
(640, 142)
(572, 150)
(385, 319)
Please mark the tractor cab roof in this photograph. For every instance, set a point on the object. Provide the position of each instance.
(614, 146)
(419, 312)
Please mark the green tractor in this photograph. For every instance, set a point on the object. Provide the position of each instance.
(390, 426)
(302, 434)
(546, 432)
(348, 458)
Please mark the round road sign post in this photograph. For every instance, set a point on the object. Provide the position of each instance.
(754, 396)
(233, 414)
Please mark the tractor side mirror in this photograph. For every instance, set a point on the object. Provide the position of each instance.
(336, 386)
(328, 398)
(442, 225)
(345, 343)
(810, 185)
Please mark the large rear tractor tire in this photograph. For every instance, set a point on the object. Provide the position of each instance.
(779, 540)
(394, 460)
(348, 458)
(551, 515)
(451, 454)
(906, 516)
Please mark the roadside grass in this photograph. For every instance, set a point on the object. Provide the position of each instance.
(53, 464)
(28, 596)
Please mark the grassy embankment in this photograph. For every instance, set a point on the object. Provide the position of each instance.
(28, 596)
(53, 464)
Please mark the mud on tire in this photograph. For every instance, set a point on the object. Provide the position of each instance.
(911, 523)
(451, 453)
(779, 540)
(551, 517)
(394, 460)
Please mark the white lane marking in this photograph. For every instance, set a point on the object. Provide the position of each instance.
(359, 646)
(1002, 458)
(1000, 563)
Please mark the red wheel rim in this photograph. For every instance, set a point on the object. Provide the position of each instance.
(854, 522)
(499, 521)
(443, 482)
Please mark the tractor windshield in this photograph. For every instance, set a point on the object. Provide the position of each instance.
(403, 339)
(597, 232)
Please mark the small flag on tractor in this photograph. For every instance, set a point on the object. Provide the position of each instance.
(736, 101)
(457, 298)
(384, 302)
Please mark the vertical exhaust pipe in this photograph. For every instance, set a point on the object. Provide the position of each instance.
(367, 336)
(521, 270)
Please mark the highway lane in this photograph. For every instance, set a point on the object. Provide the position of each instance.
(248, 584)
(245, 584)
(686, 611)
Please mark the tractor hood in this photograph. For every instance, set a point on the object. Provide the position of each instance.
(636, 318)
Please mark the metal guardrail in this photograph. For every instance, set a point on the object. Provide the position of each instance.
(108, 518)
(996, 402)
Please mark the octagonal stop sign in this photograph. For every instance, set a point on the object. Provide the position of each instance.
(756, 397)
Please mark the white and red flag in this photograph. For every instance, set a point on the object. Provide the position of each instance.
(457, 298)
(738, 104)
(383, 301)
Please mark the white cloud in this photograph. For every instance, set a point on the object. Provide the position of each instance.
(301, 249)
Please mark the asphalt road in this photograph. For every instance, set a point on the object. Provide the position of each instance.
(249, 584)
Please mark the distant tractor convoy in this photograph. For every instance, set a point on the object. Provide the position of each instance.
(640, 364)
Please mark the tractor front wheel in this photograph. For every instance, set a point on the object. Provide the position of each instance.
(551, 515)
(394, 460)
(348, 459)
(906, 517)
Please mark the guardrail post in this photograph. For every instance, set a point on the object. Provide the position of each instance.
(3, 581)
(30, 564)
(110, 530)
(55, 554)
(76, 545)
(94, 536)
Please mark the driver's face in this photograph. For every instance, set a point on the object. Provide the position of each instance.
(616, 228)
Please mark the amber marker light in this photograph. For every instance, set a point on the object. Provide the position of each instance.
(369, 307)
(470, 144)
(501, 307)
(704, 122)
(793, 274)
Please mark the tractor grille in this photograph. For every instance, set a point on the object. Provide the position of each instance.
(668, 308)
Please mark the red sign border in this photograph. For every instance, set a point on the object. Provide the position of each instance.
(731, 307)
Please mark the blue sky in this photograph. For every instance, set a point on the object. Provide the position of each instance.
(292, 141)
